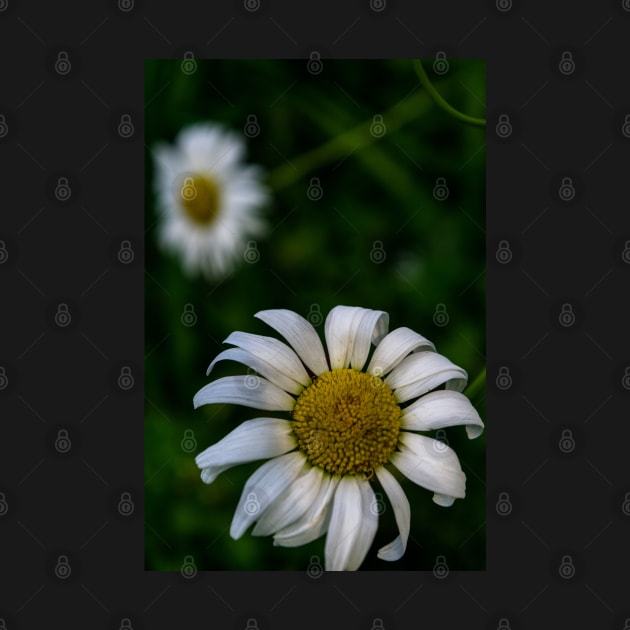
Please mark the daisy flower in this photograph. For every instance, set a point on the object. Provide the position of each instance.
(207, 198)
(354, 413)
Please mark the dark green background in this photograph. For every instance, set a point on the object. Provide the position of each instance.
(316, 255)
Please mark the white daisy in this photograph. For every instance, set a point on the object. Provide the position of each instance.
(347, 425)
(207, 198)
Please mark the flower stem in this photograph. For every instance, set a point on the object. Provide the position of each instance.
(440, 102)
(477, 386)
(395, 117)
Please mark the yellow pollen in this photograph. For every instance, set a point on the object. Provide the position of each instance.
(347, 422)
(199, 197)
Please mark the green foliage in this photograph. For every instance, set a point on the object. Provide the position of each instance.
(377, 238)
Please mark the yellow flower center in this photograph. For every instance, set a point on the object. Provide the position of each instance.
(347, 422)
(199, 197)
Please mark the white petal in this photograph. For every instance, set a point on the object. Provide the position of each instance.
(349, 331)
(369, 525)
(337, 332)
(263, 487)
(430, 464)
(264, 368)
(394, 348)
(166, 163)
(272, 351)
(422, 372)
(367, 326)
(353, 524)
(442, 409)
(402, 512)
(314, 522)
(301, 336)
(210, 147)
(291, 504)
(253, 439)
(443, 500)
(250, 391)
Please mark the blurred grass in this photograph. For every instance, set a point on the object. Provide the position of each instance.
(316, 255)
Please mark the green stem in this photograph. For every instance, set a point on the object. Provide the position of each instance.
(338, 147)
(435, 95)
(477, 386)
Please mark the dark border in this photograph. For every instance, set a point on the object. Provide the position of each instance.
(556, 313)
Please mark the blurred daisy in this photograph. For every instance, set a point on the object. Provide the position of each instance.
(347, 425)
(207, 198)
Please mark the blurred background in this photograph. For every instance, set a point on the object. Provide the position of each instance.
(378, 200)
